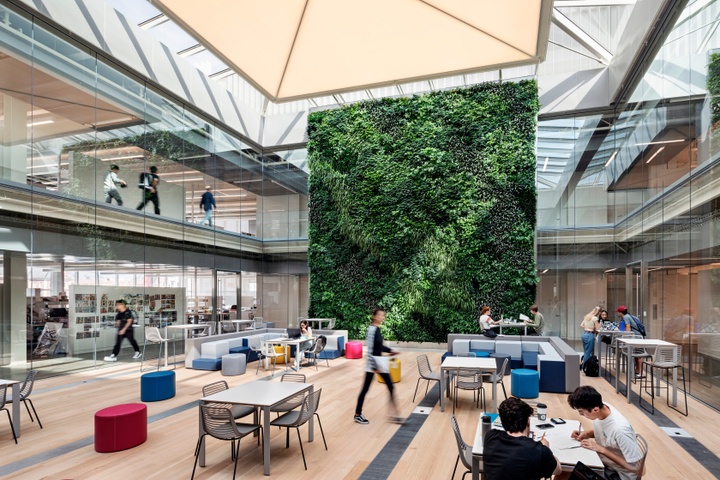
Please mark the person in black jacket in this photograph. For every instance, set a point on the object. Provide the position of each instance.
(376, 364)
(124, 324)
(207, 203)
(148, 184)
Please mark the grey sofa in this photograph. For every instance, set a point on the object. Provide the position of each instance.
(556, 362)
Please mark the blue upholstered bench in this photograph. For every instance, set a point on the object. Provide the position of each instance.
(334, 347)
(530, 360)
(156, 386)
(207, 364)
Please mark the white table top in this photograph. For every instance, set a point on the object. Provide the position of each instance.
(645, 342)
(240, 321)
(9, 382)
(560, 443)
(259, 393)
(482, 363)
(512, 324)
(189, 326)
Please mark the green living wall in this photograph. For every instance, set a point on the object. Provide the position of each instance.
(426, 207)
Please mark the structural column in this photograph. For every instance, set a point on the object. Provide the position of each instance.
(14, 308)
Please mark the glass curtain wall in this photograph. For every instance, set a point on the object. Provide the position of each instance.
(101, 181)
(628, 204)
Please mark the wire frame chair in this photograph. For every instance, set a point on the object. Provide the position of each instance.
(426, 373)
(294, 402)
(666, 358)
(317, 349)
(464, 450)
(238, 411)
(297, 418)
(219, 423)
(3, 402)
(25, 391)
(499, 375)
(643, 446)
(152, 335)
(469, 380)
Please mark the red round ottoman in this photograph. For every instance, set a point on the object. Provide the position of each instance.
(120, 427)
(353, 349)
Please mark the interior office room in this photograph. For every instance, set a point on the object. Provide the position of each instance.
(98, 95)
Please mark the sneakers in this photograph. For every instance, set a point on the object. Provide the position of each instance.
(397, 420)
(137, 355)
(111, 358)
(361, 419)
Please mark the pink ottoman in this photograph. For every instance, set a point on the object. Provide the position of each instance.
(353, 350)
(120, 427)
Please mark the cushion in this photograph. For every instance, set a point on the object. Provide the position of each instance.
(207, 363)
(530, 346)
(513, 348)
(461, 347)
(530, 360)
(235, 342)
(214, 349)
(552, 374)
(547, 349)
(482, 345)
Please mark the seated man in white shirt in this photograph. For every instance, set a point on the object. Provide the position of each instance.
(612, 436)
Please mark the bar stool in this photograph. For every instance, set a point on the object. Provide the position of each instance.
(666, 358)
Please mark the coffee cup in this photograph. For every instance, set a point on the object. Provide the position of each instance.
(542, 412)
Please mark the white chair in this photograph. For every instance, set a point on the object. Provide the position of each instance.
(666, 358)
(152, 335)
(264, 351)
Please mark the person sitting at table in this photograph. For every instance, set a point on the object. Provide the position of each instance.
(487, 323)
(612, 436)
(305, 333)
(511, 454)
(536, 325)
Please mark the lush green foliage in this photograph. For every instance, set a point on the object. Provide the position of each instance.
(425, 206)
(713, 89)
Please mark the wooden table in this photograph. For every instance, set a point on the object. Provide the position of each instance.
(631, 344)
(15, 403)
(260, 394)
(480, 364)
(522, 325)
(560, 444)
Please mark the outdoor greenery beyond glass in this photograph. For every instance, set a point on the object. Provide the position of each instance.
(425, 206)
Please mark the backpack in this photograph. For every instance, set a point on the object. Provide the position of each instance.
(591, 368)
(639, 326)
(142, 179)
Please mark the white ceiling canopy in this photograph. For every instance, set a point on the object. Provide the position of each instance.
(294, 49)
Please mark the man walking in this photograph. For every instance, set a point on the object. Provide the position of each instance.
(207, 203)
(149, 183)
(124, 324)
(111, 183)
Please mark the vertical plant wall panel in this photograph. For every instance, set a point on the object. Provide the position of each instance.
(425, 206)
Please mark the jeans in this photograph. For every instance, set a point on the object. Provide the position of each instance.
(588, 340)
(109, 195)
(208, 218)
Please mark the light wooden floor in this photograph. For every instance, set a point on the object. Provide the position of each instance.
(67, 414)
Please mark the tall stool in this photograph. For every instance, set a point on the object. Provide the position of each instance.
(666, 358)
(525, 383)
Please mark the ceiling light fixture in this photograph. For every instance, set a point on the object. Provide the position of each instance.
(655, 154)
(40, 122)
(545, 271)
(611, 270)
(127, 157)
(662, 142)
(179, 180)
(612, 157)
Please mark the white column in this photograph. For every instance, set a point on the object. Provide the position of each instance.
(13, 140)
(14, 309)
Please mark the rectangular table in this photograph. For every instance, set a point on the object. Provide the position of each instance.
(241, 322)
(292, 341)
(560, 443)
(481, 364)
(15, 403)
(260, 394)
(513, 325)
(317, 322)
(632, 344)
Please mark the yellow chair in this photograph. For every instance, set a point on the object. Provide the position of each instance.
(395, 371)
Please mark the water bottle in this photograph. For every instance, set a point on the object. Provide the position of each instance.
(486, 425)
(621, 327)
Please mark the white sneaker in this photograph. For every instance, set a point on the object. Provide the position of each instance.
(111, 358)
(137, 355)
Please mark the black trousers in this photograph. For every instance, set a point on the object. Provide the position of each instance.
(130, 336)
(366, 386)
(150, 197)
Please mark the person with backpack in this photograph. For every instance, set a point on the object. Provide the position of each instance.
(148, 183)
(590, 326)
(633, 323)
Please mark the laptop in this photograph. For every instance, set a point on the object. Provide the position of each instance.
(583, 472)
(293, 333)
